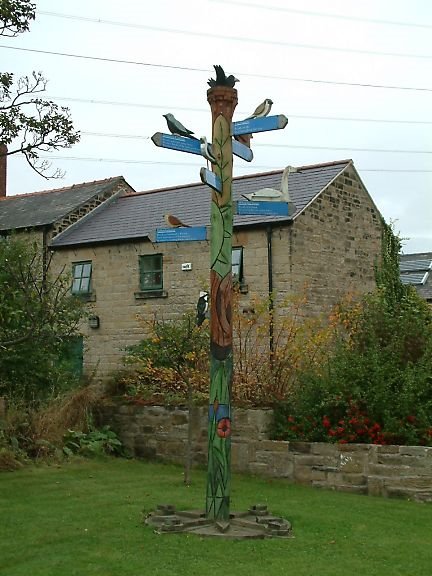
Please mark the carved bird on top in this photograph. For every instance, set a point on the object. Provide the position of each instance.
(221, 78)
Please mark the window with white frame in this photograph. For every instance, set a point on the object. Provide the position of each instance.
(81, 277)
(237, 264)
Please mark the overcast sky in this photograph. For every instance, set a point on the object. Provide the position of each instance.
(353, 78)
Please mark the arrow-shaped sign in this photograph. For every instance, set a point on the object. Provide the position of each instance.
(174, 142)
(259, 125)
(242, 151)
(181, 234)
(211, 179)
(249, 208)
(182, 144)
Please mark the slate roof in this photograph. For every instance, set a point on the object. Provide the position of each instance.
(44, 208)
(416, 269)
(138, 215)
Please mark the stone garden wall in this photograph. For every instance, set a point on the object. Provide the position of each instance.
(391, 471)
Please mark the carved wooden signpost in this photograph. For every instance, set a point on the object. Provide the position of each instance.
(223, 101)
(222, 97)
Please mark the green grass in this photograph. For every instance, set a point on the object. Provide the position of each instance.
(84, 518)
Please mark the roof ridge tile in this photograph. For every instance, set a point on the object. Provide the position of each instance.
(62, 189)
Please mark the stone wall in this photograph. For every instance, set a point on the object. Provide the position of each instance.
(391, 471)
(334, 242)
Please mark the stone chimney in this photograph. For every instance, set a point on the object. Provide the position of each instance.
(3, 169)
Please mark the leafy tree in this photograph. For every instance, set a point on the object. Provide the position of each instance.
(38, 316)
(15, 16)
(28, 124)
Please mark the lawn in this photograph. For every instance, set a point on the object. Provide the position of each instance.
(84, 518)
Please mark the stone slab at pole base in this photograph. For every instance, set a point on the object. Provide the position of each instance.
(255, 523)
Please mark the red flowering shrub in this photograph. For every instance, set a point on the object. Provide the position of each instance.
(375, 385)
(354, 426)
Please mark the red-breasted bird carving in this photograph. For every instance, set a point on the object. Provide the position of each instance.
(174, 222)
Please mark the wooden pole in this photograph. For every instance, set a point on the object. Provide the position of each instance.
(223, 101)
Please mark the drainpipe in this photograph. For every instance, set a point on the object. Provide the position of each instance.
(3, 169)
(270, 290)
(45, 233)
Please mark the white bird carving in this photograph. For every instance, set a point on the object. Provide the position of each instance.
(271, 194)
(262, 110)
(206, 150)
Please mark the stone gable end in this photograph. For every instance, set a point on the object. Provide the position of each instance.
(85, 209)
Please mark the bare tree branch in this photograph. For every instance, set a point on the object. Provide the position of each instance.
(28, 124)
(40, 124)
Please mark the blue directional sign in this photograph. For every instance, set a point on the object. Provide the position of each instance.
(252, 208)
(174, 142)
(211, 179)
(259, 125)
(242, 151)
(181, 234)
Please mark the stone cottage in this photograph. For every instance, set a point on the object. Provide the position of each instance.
(104, 232)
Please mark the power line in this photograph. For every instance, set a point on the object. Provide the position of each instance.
(194, 165)
(348, 119)
(269, 145)
(208, 35)
(323, 14)
(349, 149)
(132, 104)
(191, 109)
(190, 69)
(112, 60)
(127, 136)
(396, 170)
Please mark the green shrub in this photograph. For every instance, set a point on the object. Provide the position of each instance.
(37, 432)
(92, 443)
(162, 366)
(376, 386)
(175, 355)
(8, 460)
(38, 315)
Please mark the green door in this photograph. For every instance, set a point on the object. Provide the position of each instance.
(72, 355)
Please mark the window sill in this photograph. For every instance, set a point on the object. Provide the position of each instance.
(153, 294)
(86, 297)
